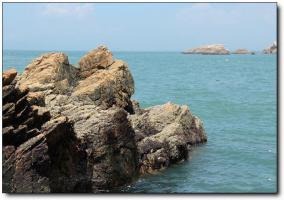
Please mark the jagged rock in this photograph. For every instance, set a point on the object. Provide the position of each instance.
(106, 135)
(213, 49)
(8, 167)
(107, 138)
(37, 154)
(165, 134)
(107, 87)
(99, 58)
(108, 81)
(47, 72)
(271, 49)
(243, 51)
(48, 162)
(8, 76)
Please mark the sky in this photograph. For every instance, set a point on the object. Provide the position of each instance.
(138, 26)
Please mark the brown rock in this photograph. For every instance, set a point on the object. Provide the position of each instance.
(114, 85)
(46, 71)
(96, 59)
(8, 76)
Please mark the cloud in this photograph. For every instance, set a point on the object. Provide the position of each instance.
(68, 9)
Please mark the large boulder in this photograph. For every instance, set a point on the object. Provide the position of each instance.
(107, 87)
(165, 134)
(99, 58)
(50, 71)
(213, 49)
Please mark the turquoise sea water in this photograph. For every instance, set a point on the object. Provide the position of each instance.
(234, 95)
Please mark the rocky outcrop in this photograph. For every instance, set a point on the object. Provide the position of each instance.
(97, 103)
(89, 137)
(165, 135)
(213, 49)
(39, 154)
(271, 49)
(243, 51)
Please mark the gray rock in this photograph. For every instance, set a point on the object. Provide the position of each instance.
(165, 134)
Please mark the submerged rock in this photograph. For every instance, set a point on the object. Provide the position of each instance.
(243, 51)
(271, 49)
(82, 129)
(213, 49)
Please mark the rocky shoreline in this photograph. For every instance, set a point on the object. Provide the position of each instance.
(76, 129)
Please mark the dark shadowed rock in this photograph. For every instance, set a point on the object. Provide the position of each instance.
(8, 76)
(107, 138)
(40, 155)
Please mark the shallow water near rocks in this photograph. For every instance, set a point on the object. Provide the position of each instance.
(234, 95)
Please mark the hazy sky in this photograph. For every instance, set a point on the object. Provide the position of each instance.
(138, 26)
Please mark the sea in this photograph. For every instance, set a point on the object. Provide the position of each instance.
(236, 98)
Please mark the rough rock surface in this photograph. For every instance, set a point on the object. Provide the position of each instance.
(213, 49)
(97, 104)
(50, 71)
(99, 58)
(90, 137)
(271, 49)
(107, 138)
(164, 135)
(39, 154)
(243, 51)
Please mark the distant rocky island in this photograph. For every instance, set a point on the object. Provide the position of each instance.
(219, 49)
(213, 49)
(271, 49)
(243, 51)
(76, 129)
